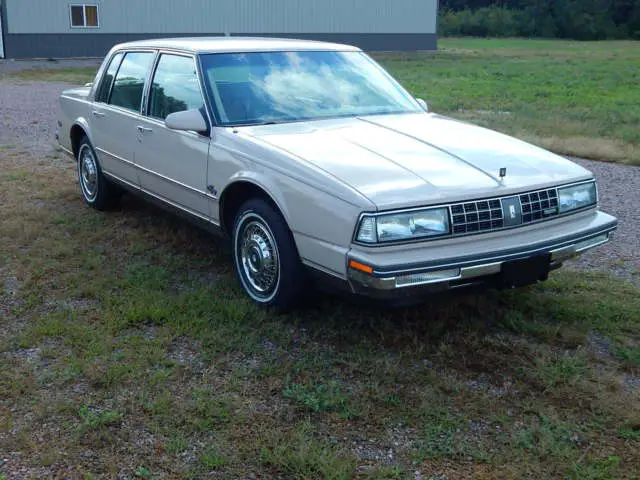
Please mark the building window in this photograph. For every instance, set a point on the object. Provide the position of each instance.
(84, 16)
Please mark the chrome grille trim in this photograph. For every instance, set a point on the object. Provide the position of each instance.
(488, 215)
(539, 205)
(477, 216)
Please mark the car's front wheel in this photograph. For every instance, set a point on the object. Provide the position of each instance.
(265, 256)
(96, 190)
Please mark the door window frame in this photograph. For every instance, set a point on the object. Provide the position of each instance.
(147, 92)
(147, 110)
(103, 77)
(151, 68)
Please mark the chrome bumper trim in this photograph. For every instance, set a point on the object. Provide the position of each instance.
(499, 257)
(564, 253)
(453, 272)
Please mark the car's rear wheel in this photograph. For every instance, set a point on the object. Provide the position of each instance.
(265, 256)
(96, 190)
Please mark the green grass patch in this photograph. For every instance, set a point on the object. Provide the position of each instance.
(300, 456)
(96, 420)
(576, 98)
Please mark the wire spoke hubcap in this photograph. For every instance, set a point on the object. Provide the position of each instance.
(258, 258)
(88, 173)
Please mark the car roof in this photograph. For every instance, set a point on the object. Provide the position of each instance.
(236, 45)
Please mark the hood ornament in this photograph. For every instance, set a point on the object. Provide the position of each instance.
(503, 173)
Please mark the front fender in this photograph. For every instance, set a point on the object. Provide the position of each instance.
(263, 182)
(322, 224)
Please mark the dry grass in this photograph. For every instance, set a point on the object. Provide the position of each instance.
(78, 75)
(127, 350)
(586, 147)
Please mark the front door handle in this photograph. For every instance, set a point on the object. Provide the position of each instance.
(98, 114)
(142, 129)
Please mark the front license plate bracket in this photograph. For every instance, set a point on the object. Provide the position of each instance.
(519, 273)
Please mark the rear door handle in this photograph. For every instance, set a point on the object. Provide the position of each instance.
(98, 114)
(142, 129)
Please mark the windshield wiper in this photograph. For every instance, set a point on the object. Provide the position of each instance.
(256, 124)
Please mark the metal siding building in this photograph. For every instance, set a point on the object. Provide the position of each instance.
(43, 28)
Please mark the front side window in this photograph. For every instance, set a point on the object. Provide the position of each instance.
(102, 94)
(84, 16)
(175, 87)
(266, 87)
(129, 83)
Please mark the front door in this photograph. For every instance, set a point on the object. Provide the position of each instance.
(116, 114)
(173, 164)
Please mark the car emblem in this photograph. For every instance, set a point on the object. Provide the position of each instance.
(512, 211)
(503, 173)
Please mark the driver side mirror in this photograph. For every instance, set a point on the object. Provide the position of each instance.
(423, 104)
(187, 120)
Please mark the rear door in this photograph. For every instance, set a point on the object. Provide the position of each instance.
(173, 164)
(116, 113)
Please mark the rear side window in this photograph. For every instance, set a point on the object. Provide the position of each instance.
(129, 84)
(175, 87)
(102, 95)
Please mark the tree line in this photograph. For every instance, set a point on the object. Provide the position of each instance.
(575, 19)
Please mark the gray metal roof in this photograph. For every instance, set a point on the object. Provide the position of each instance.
(236, 44)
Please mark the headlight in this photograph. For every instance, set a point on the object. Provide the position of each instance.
(395, 227)
(578, 196)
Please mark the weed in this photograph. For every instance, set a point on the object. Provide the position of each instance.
(213, 459)
(300, 456)
(560, 368)
(385, 473)
(92, 419)
(630, 356)
(143, 472)
(320, 397)
(600, 469)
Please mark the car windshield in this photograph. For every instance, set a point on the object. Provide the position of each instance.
(273, 87)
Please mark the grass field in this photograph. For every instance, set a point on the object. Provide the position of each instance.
(575, 98)
(128, 351)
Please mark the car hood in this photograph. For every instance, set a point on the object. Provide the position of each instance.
(399, 161)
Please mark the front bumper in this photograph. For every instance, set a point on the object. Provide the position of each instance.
(495, 259)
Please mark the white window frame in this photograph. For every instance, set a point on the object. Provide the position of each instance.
(84, 15)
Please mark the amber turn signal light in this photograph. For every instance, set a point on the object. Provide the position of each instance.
(361, 267)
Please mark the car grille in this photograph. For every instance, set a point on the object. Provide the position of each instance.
(481, 216)
(539, 205)
(487, 215)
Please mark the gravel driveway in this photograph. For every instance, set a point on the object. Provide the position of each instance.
(27, 121)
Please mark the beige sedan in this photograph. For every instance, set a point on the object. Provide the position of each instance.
(317, 164)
